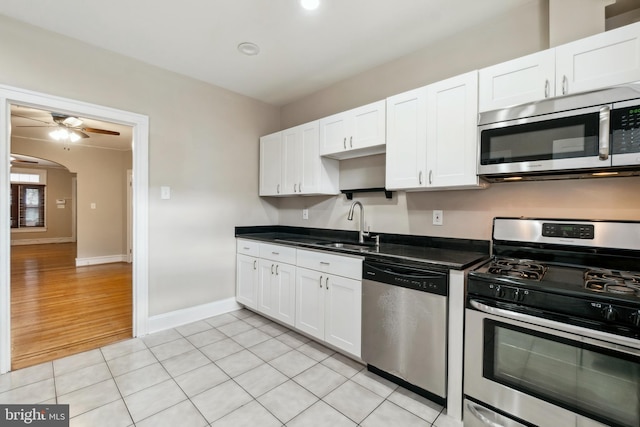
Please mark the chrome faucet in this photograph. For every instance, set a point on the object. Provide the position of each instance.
(361, 232)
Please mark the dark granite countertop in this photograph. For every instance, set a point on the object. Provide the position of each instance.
(449, 253)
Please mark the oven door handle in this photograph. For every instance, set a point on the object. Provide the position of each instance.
(476, 411)
(588, 336)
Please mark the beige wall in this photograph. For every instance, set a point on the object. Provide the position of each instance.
(203, 144)
(59, 221)
(467, 214)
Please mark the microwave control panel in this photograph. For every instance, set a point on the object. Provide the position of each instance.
(625, 126)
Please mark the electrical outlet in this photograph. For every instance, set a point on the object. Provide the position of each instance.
(437, 217)
(305, 213)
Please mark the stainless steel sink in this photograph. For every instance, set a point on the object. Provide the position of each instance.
(349, 246)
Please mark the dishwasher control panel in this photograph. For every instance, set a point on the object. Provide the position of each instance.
(411, 277)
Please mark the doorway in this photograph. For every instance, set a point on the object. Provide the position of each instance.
(140, 137)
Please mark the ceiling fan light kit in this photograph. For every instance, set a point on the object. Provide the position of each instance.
(62, 134)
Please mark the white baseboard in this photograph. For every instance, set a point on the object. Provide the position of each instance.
(44, 241)
(80, 262)
(177, 318)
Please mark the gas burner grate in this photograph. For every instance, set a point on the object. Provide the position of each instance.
(612, 281)
(522, 268)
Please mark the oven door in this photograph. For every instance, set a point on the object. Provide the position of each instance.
(549, 373)
(570, 140)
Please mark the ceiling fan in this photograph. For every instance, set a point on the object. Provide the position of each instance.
(68, 124)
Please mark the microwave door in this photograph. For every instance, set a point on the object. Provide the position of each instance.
(556, 142)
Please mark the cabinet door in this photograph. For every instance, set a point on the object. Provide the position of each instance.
(368, 126)
(291, 151)
(247, 280)
(284, 293)
(333, 134)
(527, 79)
(270, 164)
(266, 285)
(406, 140)
(343, 314)
(452, 108)
(309, 161)
(310, 295)
(605, 59)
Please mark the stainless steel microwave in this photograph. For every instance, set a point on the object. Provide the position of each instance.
(584, 135)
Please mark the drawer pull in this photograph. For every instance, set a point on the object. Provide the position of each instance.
(246, 248)
(325, 263)
(275, 253)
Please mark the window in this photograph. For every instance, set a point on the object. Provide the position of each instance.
(27, 199)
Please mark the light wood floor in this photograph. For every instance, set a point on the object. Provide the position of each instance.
(58, 309)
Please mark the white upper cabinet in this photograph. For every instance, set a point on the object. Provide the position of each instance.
(606, 59)
(452, 111)
(432, 136)
(295, 166)
(271, 164)
(406, 159)
(354, 133)
(519, 81)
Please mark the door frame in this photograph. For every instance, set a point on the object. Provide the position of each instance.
(140, 271)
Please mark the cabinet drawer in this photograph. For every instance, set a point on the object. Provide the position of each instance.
(279, 253)
(339, 265)
(247, 247)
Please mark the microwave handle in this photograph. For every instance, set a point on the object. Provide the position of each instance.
(603, 142)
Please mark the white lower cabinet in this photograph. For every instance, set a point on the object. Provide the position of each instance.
(276, 296)
(317, 293)
(329, 306)
(247, 272)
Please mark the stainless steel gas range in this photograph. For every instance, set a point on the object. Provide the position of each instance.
(552, 326)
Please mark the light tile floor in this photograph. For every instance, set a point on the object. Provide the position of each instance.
(236, 369)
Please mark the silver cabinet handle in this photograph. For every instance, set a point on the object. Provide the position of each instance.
(278, 189)
(294, 187)
(546, 88)
(420, 178)
(320, 282)
(255, 264)
(324, 263)
(246, 248)
(271, 268)
(326, 282)
(300, 187)
(603, 142)
(344, 142)
(277, 269)
(275, 253)
(565, 85)
(430, 176)
(351, 141)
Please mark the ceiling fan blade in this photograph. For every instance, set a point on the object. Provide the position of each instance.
(31, 118)
(24, 161)
(101, 131)
(81, 134)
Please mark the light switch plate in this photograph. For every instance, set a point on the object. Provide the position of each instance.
(305, 213)
(165, 192)
(437, 217)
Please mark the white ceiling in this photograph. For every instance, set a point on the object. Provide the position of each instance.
(301, 51)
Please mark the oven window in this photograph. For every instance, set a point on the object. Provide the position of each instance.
(569, 137)
(589, 380)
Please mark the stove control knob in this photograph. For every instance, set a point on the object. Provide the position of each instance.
(518, 295)
(499, 292)
(610, 313)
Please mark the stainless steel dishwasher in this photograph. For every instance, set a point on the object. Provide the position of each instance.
(404, 326)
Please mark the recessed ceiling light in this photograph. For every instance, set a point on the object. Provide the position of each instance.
(310, 4)
(249, 48)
